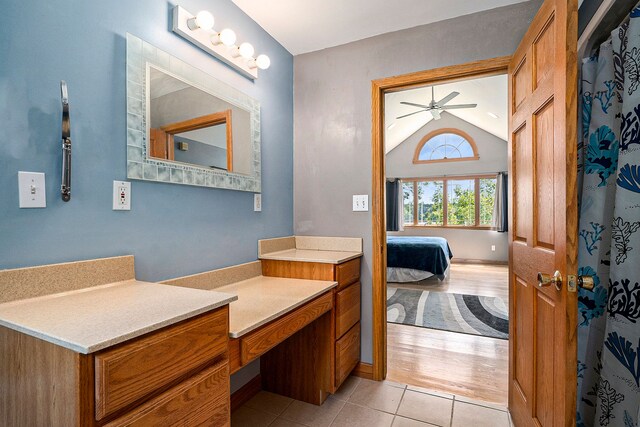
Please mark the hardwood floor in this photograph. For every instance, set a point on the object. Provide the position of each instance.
(466, 365)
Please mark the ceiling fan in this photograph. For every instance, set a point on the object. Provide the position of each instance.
(435, 108)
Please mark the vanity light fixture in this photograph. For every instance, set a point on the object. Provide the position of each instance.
(203, 19)
(199, 30)
(226, 37)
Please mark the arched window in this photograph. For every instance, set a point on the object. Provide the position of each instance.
(445, 145)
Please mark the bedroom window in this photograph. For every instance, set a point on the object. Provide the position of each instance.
(445, 145)
(461, 202)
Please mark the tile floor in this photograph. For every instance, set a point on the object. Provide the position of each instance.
(361, 402)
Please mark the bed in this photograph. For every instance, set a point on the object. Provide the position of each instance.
(413, 258)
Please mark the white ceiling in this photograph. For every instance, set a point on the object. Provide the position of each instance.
(303, 26)
(490, 93)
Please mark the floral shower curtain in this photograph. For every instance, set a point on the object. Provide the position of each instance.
(609, 232)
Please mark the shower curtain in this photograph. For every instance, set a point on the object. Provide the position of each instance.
(609, 232)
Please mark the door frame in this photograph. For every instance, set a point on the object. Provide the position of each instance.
(483, 68)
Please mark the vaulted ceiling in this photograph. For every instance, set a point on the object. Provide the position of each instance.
(303, 26)
(490, 93)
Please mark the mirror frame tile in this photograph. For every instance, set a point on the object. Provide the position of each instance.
(140, 54)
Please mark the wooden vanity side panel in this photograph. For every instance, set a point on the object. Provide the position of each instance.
(235, 358)
(258, 342)
(301, 367)
(39, 382)
(298, 270)
(347, 308)
(132, 371)
(200, 400)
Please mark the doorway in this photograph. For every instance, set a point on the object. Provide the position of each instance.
(396, 336)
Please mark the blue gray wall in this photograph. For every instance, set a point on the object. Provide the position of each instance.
(333, 116)
(171, 229)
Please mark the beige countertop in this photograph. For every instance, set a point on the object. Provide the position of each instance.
(310, 255)
(262, 299)
(92, 319)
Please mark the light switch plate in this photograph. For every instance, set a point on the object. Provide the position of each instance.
(31, 190)
(360, 202)
(121, 196)
(257, 202)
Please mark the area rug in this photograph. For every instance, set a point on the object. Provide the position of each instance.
(469, 314)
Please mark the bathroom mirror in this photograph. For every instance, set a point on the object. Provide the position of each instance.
(185, 126)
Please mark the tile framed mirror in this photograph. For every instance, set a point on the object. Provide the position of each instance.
(186, 127)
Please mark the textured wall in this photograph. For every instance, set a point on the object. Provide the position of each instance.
(332, 118)
(172, 230)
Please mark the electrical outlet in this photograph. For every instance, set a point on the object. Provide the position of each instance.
(493, 248)
(121, 196)
(31, 190)
(360, 202)
(257, 202)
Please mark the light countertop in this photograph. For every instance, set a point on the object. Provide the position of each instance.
(262, 299)
(92, 319)
(310, 255)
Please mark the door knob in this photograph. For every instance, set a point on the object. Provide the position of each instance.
(586, 282)
(546, 280)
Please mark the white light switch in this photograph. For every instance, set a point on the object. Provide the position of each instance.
(121, 196)
(257, 202)
(31, 190)
(361, 203)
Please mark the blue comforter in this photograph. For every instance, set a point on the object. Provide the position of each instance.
(430, 254)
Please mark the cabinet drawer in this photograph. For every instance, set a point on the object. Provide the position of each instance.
(347, 353)
(200, 400)
(347, 308)
(347, 273)
(264, 339)
(132, 371)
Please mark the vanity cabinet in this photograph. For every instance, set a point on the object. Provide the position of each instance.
(178, 375)
(345, 353)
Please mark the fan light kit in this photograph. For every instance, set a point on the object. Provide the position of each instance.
(435, 108)
(198, 29)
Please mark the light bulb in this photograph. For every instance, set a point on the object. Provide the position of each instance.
(263, 62)
(228, 37)
(246, 50)
(203, 19)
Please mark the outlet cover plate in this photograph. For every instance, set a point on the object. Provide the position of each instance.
(121, 196)
(360, 202)
(31, 190)
(257, 202)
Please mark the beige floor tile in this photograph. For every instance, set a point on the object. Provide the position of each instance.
(269, 402)
(430, 391)
(465, 414)
(249, 417)
(313, 415)
(426, 407)
(359, 416)
(377, 395)
(346, 389)
(481, 403)
(408, 422)
(281, 422)
(394, 384)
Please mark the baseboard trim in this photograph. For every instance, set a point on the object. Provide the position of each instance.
(246, 392)
(363, 370)
(477, 261)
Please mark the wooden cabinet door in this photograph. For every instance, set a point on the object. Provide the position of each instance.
(543, 212)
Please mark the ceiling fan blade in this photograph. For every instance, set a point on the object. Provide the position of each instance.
(448, 98)
(410, 114)
(459, 106)
(414, 105)
(435, 113)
